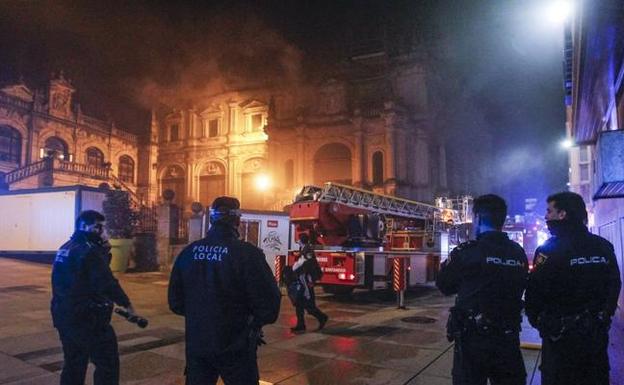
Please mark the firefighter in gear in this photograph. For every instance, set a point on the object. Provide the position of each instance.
(83, 292)
(226, 291)
(489, 277)
(306, 272)
(571, 296)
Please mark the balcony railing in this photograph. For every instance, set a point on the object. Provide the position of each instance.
(94, 172)
(53, 164)
(26, 171)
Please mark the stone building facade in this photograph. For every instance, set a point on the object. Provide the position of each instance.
(219, 149)
(46, 140)
(369, 126)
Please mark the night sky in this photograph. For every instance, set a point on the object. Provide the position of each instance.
(495, 67)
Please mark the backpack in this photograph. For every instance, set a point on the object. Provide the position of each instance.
(314, 269)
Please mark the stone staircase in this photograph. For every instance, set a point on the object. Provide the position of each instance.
(55, 165)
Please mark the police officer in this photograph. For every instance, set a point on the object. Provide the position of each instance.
(572, 295)
(489, 276)
(226, 291)
(83, 292)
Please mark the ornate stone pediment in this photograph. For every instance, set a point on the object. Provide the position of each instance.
(20, 91)
(212, 110)
(253, 165)
(253, 104)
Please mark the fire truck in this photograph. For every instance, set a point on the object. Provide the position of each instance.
(358, 234)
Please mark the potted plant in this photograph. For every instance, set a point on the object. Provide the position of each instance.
(119, 225)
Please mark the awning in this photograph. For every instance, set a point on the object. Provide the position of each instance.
(610, 190)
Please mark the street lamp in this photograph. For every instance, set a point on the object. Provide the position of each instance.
(263, 182)
(567, 143)
(559, 11)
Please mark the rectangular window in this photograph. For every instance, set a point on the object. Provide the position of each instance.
(256, 122)
(584, 154)
(584, 171)
(213, 128)
(250, 231)
(174, 134)
(584, 191)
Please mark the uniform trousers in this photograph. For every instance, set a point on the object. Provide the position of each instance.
(81, 345)
(495, 356)
(577, 358)
(234, 368)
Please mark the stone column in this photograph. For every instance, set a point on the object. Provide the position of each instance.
(232, 110)
(359, 160)
(168, 222)
(233, 176)
(301, 157)
(196, 222)
(190, 184)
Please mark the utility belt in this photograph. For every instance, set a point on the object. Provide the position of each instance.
(100, 312)
(462, 322)
(555, 327)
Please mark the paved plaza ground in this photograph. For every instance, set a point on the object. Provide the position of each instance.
(367, 341)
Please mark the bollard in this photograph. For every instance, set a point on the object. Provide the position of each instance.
(279, 266)
(399, 280)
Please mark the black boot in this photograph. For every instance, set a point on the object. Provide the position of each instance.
(322, 321)
(298, 329)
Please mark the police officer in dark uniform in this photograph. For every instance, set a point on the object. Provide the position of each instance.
(226, 291)
(83, 292)
(489, 276)
(572, 295)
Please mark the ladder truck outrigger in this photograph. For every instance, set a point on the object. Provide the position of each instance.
(359, 237)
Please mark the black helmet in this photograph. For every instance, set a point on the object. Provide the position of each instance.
(225, 209)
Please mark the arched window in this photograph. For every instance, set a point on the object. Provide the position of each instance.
(10, 145)
(332, 163)
(126, 169)
(378, 177)
(56, 147)
(95, 157)
(289, 173)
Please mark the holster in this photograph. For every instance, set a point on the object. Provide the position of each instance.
(456, 324)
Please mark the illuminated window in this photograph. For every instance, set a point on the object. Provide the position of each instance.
(256, 122)
(56, 147)
(174, 133)
(378, 177)
(126, 169)
(213, 128)
(10, 145)
(95, 157)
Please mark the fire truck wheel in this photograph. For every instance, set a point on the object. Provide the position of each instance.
(337, 289)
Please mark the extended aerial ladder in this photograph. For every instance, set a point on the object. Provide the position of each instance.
(357, 233)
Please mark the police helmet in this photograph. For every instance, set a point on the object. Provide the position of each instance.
(226, 209)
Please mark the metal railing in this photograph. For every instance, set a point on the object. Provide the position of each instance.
(147, 219)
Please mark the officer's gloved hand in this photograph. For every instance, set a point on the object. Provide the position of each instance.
(130, 310)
